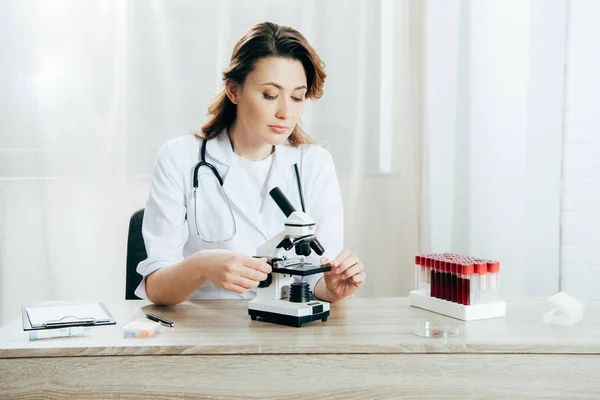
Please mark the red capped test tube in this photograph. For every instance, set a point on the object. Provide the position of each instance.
(417, 272)
(479, 274)
(493, 268)
(467, 280)
(434, 277)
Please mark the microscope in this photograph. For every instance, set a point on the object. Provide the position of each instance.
(277, 299)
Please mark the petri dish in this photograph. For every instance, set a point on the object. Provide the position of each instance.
(428, 329)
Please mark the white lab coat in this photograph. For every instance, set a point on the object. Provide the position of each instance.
(169, 229)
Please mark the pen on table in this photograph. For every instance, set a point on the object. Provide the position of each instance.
(57, 333)
(159, 319)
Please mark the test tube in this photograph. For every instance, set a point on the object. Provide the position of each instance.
(417, 272)
(449, 281)
(494, 281)
(422, 272)
(453, 265)
(479, 270)
(454, 282)
(484, 286)
(427, 268)
(460, 268)
(449, 276)
(435, 278)
(444, 279)
(467, 276)
(459, 282)
(424, 278)
(435, 264)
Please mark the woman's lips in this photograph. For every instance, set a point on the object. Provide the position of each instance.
(278, 129)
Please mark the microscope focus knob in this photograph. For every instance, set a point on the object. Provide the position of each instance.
(266, 282)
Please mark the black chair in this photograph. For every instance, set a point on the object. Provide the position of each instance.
(136, 253)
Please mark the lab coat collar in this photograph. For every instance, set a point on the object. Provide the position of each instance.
(285, 157)
(220, 149)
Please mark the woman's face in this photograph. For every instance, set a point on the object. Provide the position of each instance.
(271, 100)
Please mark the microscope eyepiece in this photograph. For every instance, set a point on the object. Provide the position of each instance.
(282, 201)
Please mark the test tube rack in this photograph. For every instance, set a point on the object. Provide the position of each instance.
(455, 310)
(460, 287)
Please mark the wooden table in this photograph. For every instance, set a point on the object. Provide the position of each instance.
(366, 350)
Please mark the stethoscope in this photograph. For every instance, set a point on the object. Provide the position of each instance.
(203, 163)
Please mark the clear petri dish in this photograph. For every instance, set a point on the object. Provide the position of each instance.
(435, 330)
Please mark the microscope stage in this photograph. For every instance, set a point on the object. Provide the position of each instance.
(297, 266)
(303, 269)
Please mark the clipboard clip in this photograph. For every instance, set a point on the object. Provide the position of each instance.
(70, 320)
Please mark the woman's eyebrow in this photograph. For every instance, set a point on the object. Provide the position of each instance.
(278, 86)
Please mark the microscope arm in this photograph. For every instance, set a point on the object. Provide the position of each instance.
(269, 249)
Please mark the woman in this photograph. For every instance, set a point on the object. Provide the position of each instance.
(200, 236)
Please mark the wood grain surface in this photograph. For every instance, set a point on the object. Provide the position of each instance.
(367, 349)
(353, 376)
(362, 325)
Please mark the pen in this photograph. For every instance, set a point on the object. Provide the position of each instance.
(159, 319)
(62, 332)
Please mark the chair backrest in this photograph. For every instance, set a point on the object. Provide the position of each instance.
(136, 252)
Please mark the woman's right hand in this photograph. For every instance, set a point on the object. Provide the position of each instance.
(233, 271)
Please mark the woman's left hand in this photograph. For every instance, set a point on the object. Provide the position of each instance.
(346, 275)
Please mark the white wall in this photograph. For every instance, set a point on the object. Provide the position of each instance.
(580, 241)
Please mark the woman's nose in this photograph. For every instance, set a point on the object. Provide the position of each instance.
(282, 109)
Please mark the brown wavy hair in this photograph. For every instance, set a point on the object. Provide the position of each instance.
(265, 39)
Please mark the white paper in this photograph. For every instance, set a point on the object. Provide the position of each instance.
(73, 312)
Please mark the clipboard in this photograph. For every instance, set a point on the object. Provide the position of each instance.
(60, 316)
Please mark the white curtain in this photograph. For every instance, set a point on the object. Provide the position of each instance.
(493, 124)
(444, 119)
(90, 90)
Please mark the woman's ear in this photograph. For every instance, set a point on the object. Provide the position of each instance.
(232, 89)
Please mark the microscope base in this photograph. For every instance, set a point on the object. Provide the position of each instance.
(283, 319)
(285, 312)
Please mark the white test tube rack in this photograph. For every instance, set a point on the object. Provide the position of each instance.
(455, 310)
